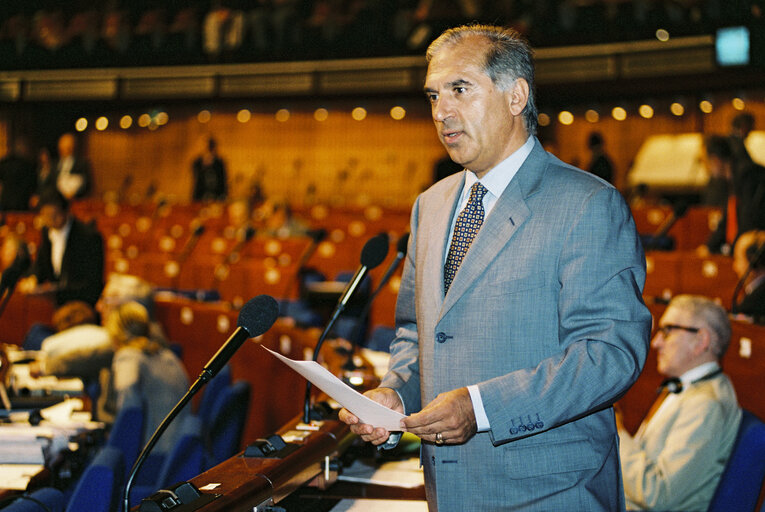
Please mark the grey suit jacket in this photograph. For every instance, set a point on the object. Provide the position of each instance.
(545, 314)
(675, 461)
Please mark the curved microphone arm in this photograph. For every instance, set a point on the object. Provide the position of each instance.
(373, 253)
(155, 437)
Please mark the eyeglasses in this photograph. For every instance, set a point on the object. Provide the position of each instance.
(668, 328)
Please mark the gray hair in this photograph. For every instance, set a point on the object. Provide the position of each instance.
(712, 315)
(508, 58)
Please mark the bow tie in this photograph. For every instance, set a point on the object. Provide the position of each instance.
(673, 385)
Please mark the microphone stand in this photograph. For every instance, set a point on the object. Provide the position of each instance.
(400, 254)
(188, 248)
(372, 254)
(316, 237)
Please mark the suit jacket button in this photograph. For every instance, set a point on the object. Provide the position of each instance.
(513, 431)
(441, 337)
(530, 427)
(539, 424)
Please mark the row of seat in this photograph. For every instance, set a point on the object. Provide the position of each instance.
(208, 437)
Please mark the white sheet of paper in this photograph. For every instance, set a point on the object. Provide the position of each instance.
(368, 411)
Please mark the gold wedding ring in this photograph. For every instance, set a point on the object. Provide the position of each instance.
(439, 439)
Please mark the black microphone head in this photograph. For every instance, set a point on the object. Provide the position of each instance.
(317, 235)
(258, 315)
(402, 243)
(680, 209)
(375, 251)
(249, 232)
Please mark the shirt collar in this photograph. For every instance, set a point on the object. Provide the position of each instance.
(699, 372)
(63, 232)
(498, 178)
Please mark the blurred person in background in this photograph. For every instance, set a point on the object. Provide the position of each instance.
(749, 265)
(679, 452)
(744, 208)
(18, 179)
(143, 363)
(70, 259)
(73, 174)
(209, 172)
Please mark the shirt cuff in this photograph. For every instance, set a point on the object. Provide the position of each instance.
(482, 421)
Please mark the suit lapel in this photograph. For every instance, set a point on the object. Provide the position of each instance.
(507, 216)
(437, 242)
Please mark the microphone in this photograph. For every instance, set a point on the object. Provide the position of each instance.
(173, 267)
(373, 253)
(245, 236)
(658, 240)
(401, 247)
(191, 243)
(316, 235)
(255, 318)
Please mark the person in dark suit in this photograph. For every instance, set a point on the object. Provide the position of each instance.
(70, 260)
(209, 175)
(18, 178)
(73, 174)
(512, 346)
(745, 207)
(749, 265)
(600, 164)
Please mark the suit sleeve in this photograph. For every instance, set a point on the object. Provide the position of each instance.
(404, 369)
(603, 327)
(85, 267)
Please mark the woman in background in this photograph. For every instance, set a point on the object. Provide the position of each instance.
(143, 363)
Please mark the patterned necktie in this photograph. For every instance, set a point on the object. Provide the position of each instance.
(468, 223)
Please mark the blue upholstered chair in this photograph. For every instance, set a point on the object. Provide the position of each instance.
(211, 394)
(224, 435)
(380, 338)
(127, 430)
(185, 461)
(740, 484)
(46, 499)
(100, 486)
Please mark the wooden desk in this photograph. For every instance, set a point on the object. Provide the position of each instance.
(245, 483)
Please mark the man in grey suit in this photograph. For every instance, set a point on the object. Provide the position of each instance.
(676, 458)
(509, 362)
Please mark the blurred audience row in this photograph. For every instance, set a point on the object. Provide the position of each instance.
(48, 34)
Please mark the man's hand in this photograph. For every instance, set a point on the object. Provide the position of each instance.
(451, 414)
(385, 396)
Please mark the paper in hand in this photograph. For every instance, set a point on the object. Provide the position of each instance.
(368, 411)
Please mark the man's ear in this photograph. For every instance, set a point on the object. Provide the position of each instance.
(518, 96)
(704, 342)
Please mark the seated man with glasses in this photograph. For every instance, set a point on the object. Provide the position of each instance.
(675, 459)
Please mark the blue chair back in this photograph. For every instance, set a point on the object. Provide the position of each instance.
(185, 461)
(46, 499)
(380, 338)
(742, 480)
(100, 487)
(126, 433)
(224, 437)
(212, 393)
